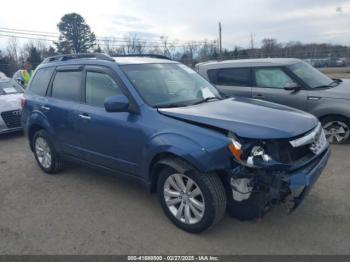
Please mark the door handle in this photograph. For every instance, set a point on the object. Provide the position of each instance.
(258, 96)
(45, 108)
(85, 116)
(314, 98)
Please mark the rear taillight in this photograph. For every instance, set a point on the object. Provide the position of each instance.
(23, 102)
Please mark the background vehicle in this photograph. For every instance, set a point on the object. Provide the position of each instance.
(290, 82)
(159, 122)
(2, 76)
(10, 105)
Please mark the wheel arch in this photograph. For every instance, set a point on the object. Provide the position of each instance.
(333, 115)
(166, 159)
(32, 130)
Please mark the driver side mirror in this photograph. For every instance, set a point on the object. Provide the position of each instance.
(292, 87)
(119, 103)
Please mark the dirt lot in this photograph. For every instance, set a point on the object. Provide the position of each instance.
(337, 72)
(83, 212)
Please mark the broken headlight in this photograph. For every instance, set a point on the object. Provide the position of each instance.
(251, 155)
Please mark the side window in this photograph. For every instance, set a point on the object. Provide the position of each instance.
(272, 77)
(67, 85)
(41, 80)
(230, 76)
(99, 86)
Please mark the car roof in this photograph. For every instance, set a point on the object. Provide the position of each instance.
(260, 62)
(103, 59)
(132, 60)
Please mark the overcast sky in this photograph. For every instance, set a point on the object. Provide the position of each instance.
(293, 20)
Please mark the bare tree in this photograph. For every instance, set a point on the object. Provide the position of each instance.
(270, 46)
(13, 49)
(134, 45)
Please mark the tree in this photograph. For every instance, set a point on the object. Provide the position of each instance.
(75, 35)
(270, 46)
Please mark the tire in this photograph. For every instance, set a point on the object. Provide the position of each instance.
(212, 199)
(40, 139)
(337, 129)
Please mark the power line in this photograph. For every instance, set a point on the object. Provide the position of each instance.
(25, 37)
(24, 30)
(105, 39)
(107, 42)
(23, 33)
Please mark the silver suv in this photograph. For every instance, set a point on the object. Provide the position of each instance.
(290, 82)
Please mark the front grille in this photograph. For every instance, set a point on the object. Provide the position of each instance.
(307, 146)
(12, 118)
(289, 154)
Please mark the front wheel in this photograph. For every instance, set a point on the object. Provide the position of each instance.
(192, 201)
(337, 129)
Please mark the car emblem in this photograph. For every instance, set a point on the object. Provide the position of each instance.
(16, 113)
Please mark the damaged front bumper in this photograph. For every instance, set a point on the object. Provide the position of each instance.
(278, 186)
(300, 182)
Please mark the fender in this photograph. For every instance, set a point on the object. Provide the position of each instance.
(38, 118)
(331, 107)
(199, 156)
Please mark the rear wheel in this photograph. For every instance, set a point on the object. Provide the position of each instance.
(337, 129)
(192, 201)
(45, 153)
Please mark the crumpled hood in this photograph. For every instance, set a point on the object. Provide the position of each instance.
(249, 118)
(341, 91)
(10, 102)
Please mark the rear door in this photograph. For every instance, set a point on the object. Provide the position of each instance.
(270, 83)
(232, 81)
(61, 108)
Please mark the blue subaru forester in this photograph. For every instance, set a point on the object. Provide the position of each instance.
(160, 123)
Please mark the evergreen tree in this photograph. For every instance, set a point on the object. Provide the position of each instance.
(75, 35)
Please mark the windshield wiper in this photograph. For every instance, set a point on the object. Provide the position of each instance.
(331, 84)
(170, 105)
(208, 99)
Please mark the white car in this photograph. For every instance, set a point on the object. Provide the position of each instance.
(10, 105)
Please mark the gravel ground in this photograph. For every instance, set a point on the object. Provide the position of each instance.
(82, 211)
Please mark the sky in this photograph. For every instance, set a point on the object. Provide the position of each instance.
(294, 20)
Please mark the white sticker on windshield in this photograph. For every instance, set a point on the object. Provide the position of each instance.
(10, 90)
(187, 69)
(206, 93)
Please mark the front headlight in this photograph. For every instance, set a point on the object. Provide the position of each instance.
(250, 155)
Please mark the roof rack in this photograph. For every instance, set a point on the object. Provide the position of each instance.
(66, 57)
(145, 55)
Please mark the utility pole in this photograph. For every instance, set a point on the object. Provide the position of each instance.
(251, 41)
(220, 39)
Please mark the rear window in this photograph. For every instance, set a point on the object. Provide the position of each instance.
(67, 85)
(230, 76)
(9, 87)
(41, 80)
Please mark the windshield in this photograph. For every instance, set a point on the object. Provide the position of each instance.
(170, 85)
(310, 75)
(9, 87)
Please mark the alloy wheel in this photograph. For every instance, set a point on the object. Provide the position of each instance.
(43, 152)
(336, 131)
(184, 199)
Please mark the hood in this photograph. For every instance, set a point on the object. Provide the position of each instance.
(10, 102)
(341, 91)
(249, 118)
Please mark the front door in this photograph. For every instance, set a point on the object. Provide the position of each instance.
(270, 84)
(112, 140)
